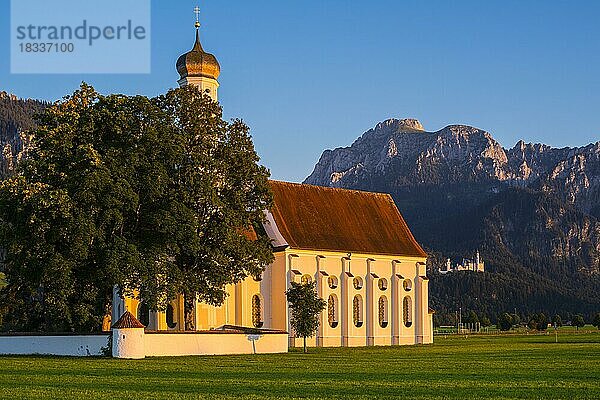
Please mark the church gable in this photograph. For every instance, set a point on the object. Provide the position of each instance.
(319, 218)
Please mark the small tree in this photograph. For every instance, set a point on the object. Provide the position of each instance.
(485, 321)
(578, 321)
(557, 321)
(542, 322)
(505, 322)
(516, 320)
(305, 307)
(596, 321)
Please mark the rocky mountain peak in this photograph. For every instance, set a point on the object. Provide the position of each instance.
(399, 125)
(401, 152)
(410, 125)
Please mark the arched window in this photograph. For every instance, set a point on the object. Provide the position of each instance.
(257, 319)
(383, 284)
(332, 311)
(407, 285)
(170, 315)
(407, 307)
(357, 311)
(383, 312)
(358, 283)
(306, 279)
(332, 281)
(143, 314)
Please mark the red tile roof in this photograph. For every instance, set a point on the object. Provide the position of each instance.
(127, 320)
(319, 218)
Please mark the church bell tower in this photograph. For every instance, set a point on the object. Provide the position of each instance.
(199, 68)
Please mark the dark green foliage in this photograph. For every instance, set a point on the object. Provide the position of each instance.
(596, 321)
(557, 321)
(472, 318)
(578, 321)
(305, 308)
(538, 322)
(516, 319)
(485, 321)
(148, 194)
(504, 322)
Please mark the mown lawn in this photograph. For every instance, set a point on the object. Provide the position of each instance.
(514, 367)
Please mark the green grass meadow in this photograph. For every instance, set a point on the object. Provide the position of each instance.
(477, 367)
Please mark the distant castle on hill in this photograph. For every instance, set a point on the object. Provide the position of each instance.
(474, 265)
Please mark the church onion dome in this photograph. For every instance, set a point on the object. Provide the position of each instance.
(198, 63)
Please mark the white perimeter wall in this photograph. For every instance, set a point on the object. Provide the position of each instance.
(154, 344)
(191, 344)
(68, 345)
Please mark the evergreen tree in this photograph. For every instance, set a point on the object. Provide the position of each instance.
(305, 307)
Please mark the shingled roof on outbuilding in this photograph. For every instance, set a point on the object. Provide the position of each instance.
(127, 321)
(320, 218)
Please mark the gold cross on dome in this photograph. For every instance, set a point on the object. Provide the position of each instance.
(197, 12)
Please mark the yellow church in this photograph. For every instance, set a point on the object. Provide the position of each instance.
(355, 245)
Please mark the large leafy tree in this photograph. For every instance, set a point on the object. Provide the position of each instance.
(157, 196)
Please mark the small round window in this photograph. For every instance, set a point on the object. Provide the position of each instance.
(382, 283)
(332, 281)
(358, 283)
(407, 285)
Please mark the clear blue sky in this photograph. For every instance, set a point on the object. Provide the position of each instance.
(310, 75)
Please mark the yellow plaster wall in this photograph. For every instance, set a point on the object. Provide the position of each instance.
(291, 265)
(370, 268)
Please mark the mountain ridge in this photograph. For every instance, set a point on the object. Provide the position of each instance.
(532, 210)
